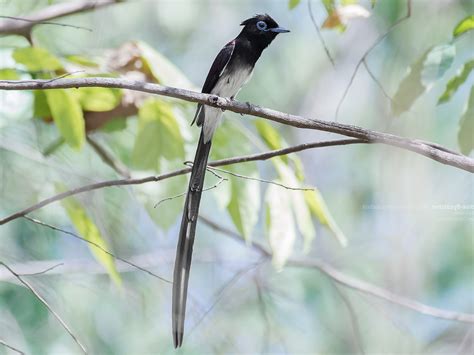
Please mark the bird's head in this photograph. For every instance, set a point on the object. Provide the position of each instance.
(261, 28)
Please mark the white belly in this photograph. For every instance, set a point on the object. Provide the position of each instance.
(228, 85)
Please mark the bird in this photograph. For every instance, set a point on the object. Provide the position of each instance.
(231, 69)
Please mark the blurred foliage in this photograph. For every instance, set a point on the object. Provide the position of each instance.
(396, 210)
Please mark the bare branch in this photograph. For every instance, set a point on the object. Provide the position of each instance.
(245, 177)
(96, 246)
(45, 303)
(318, 32)
(24, 25)
(11, 347)
(352, 282)
(366, 54)
(124, 182)
(427, 150)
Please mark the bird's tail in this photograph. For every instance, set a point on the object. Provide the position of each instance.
(184, 250)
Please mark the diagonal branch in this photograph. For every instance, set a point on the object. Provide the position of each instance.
(124, 182)
(46, 304)
(351, 282)
(24, 25)
(36, 221)
(426, 149)
(12, 348)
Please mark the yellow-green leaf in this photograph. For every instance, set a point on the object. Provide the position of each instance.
(465, 25)
(36, 59)
(67, 115)
(99, 99)
(319, 209)
(455, 82)
(158, 136)
(40, 106)
(83, 61)
(466, 127)
(87, 229)
(293, 3)
(270, 136)
(9, 74)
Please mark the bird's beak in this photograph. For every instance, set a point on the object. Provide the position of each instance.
(279, 30)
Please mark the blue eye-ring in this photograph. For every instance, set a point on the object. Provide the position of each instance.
(261, 25)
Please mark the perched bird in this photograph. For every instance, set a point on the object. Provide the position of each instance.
(231, 69)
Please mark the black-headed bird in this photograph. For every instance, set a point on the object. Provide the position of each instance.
(231, 69)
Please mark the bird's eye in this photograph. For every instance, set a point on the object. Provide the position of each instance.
(261, 25)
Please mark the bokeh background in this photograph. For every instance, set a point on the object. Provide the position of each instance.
(408, 220)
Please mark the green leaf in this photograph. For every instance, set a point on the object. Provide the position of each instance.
(40, 106)
(98, 99)
(163, 70)
(241, 197)
(320, 210)
(373, 3)
(465, 25)
(9, 74)
(329, 5)
(293, 3)
(455, 82)
(280, 224)
(158, 135)
(83, 61)
(245, 200)
(37, 59)
(67, 116)
(86, 227)
(466, 127)
(114, 125)
(437, 62)
(410, 87)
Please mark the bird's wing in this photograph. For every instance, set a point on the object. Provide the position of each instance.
(184, 250)
(217, 68)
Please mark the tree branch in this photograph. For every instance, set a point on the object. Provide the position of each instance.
(426, 149)
(351, 282)
(123, 182)
(23, 26)
(11, 347)
(45, 303)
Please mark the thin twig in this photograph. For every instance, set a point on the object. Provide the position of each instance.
(245, 177)
(97, 246)
(216, 185)
(351, 282)
(352, 317)
(23, 26)
(108, 159)
(43, 301)
(46, 23)
(124, 182)
(368, 51)
(11, 347)
(44, 271)
(320, 36)
(439, 155)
